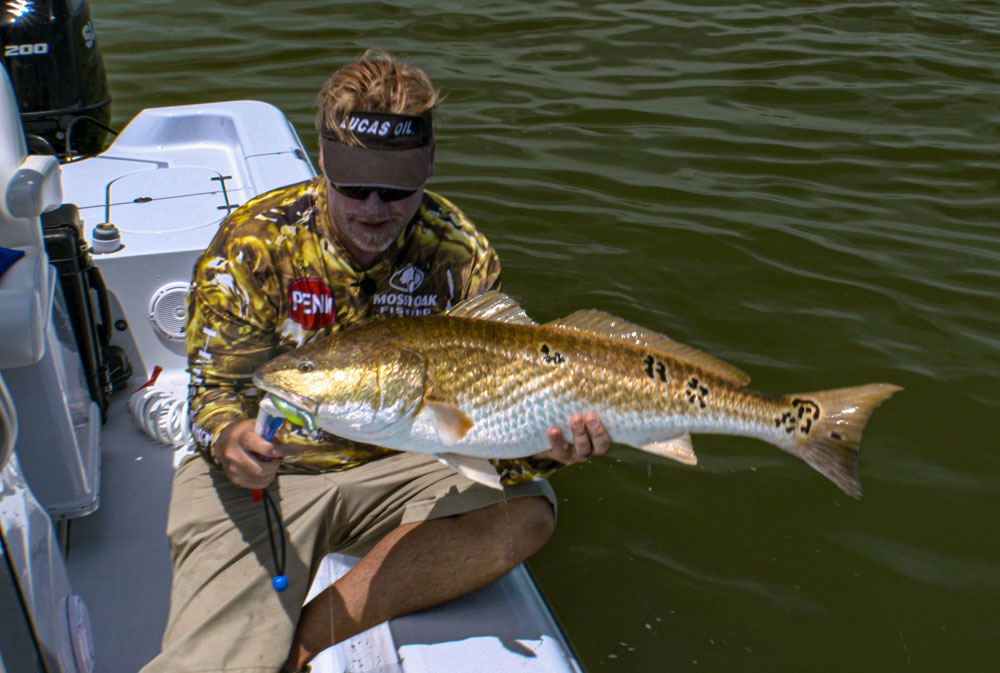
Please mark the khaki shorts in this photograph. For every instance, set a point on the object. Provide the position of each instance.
(224, 614)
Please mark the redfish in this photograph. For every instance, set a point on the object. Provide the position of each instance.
(484, 381)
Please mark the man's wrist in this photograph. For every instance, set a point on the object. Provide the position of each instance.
(221, 438)
(209, 439)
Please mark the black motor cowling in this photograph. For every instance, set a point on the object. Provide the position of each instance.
(55, 67)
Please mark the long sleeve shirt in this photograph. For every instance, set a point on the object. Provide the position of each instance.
(276, 277)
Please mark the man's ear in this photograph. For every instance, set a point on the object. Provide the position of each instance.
(430, 160)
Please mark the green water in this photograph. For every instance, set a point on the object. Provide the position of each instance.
(807, 190)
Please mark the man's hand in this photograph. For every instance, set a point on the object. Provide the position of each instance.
(242, 453)
(589, 439)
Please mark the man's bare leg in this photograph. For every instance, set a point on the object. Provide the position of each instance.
(420, 565)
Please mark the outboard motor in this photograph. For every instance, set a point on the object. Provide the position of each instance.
(55, 67)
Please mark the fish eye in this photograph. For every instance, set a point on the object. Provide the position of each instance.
(306, 366)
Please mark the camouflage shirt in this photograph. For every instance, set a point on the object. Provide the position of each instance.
(276, 277)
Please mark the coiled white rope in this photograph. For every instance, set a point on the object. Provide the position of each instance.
(161, 412)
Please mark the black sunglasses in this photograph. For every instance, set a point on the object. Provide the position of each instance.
(361, 193)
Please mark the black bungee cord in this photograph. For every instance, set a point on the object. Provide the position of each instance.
(268, 422)
(280, 580)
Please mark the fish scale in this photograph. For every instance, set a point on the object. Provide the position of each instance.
(484, 382)
(609, 382)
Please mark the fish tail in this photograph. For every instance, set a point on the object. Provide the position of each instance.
(827, 427)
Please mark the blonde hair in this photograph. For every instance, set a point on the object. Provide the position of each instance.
(376, 82)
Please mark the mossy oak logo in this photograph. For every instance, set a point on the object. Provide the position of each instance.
(404, 301)
(407, 280)
(310, 303)
(88, 35)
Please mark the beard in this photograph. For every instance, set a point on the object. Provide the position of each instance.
(371, 240)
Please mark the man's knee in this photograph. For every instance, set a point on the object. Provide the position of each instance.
(519, 526)
(538, 522)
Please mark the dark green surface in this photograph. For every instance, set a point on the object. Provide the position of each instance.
(805, 189)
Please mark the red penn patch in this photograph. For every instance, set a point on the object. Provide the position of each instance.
(310, 303)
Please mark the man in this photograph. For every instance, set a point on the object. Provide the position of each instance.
(361, 241)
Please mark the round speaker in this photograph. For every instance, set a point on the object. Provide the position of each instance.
(168, 308)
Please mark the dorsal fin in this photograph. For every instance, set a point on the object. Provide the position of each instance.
(605, 324)
(492, 306)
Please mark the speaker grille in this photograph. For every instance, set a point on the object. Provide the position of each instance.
(168, 308)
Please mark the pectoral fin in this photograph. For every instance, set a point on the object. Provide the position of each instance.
(676, 448)
(450, 422)
(478, 470)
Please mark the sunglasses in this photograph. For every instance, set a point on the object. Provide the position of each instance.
(361, 193)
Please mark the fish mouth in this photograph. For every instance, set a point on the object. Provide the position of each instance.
(292, 413)
(305, 406)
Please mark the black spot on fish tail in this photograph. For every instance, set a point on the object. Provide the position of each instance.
(829, 437)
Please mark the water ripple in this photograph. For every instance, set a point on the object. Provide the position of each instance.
(805, 189)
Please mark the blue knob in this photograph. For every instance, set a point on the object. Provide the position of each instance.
(279, 582)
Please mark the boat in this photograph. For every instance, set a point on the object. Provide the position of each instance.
(93, 391)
